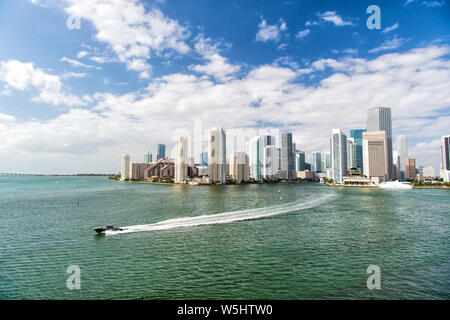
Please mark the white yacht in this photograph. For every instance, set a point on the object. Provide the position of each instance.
(395, 185)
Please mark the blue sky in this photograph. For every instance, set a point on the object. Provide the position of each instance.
(137, 72)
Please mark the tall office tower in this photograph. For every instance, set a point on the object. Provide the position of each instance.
(300, 161)
(327, 160)
(338, 147)
(316, 164)
(125, 167)
(410, 169)
(287, 155)
(267, 141)
(271, 162)
(375, 154)
(396, 165)
(181, 159)
(204, 159)
(401, 145)
(445, 152)
(161, 151)
(356, 135)
(148, 157)
(379, 119)
(254, 149)
(351, 153)
(217, 155)
(239, 166)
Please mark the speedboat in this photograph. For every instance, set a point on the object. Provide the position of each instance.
(395, 185)
(107, 228)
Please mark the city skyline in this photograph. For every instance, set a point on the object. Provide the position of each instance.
(76, 104)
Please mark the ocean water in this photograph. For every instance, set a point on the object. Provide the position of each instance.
(271, 241)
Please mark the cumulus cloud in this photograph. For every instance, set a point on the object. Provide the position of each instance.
(24, 76)
(131, 31)
(415, 84)
(303, 33)
(267, 32)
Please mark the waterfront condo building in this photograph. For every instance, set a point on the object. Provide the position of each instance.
(375, 154)
(445, 153)
(239, 166)
(351, 154)
(271, 162)
(125, 167)
(217, 155)
(300, 161)
(410, 169)
(181, 159)
(338, 147)
(379, 119)
(254, 149)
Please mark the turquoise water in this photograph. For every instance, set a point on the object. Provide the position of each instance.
(316, 243)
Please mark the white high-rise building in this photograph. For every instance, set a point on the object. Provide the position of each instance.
(271, 162)
(445, 153)
(428, 172)
(181, 159)
(217, 155)
(254, 149)
(338, 149)
(351, 153)
(125, 167)
(401, 145)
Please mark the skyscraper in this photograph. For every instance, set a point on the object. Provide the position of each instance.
(217, 155)
(445, 152)
(410, 169)
(401, 145)
(351, 153)
(254, 149)
(356, 135)
(287, 155)
(204, 159)
(181, 159)
(161, 151)
(300, 161)
(375, 154)
(148, 157)
(338, 149)
(239, 166)
(379, 119)
(125, 167)
(396, 166)
(316, 164)
(271, 162)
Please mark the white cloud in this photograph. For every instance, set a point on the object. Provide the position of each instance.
(391, 28)
(24, 76)
(268, 32)
(82, 54)
(415, 84)
(330, 16)
(75, 63)
(433, 4)
(390, 44)
(77, 75)
(303, 33)
(132, 32)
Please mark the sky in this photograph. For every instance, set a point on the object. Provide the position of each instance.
(83, 81)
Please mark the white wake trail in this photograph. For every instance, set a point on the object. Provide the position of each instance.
(225, 217)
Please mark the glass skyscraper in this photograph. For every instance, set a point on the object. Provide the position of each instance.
(338, 155)
(287, 155)
(161, 151)
(356, 135)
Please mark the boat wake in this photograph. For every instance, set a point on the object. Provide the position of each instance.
(226, 217)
